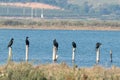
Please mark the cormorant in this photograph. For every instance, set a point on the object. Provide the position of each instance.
(10, 43)
(55, 43)
(74, 44)
(27, 41)
(98, 45)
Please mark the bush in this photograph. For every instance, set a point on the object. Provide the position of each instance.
(12, 23)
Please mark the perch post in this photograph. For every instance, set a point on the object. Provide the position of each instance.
(54, 53)
(98, 55)
(110, 55)
(10, 54)
(27, 51)
(73, 54)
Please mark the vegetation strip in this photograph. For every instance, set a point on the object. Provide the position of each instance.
(59, 24)
(26, 71)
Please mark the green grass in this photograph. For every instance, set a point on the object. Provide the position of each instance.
(27, 71)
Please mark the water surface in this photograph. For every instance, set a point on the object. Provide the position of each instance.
(41, 43)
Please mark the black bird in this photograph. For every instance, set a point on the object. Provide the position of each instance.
(74, 44)
(27, 41)
(98, 45)
(55, 43)
(10, 43)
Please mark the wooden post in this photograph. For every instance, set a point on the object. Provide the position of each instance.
(27, 51)
(54, 53)
(10, 54)
(110, 55)
(98, 55)
(73, 54)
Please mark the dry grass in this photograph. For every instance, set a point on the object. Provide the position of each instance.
(54, 24)
(26, 71)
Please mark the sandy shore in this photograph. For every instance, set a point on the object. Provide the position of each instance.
(63, 28)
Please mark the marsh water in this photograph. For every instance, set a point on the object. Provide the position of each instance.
(41, 43)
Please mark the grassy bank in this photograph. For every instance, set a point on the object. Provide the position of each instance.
(26, 71)
(58, 22)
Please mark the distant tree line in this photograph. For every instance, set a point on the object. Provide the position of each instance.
(85, 9)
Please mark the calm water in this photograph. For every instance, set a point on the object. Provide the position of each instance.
(41, 42)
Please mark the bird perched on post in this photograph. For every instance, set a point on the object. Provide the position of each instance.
(73, 50)
(27, 41)
(98, 45)
(55, 49)
(74, 44)
(10, 43)
(98, 52)
(55, 43)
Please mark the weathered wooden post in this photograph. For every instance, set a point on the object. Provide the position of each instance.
(98, 55)
(10, 49)
(98, 52)
(55, 49)
(54, 53)
(10, 54)
(27, 51)
(110, 55)
(73, 50)
(27, 48)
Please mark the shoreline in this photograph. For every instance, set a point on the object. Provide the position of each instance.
(58, 24)
(91, 28)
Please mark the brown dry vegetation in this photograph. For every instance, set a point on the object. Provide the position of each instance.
(26, 71)
(56, 24)
(62, 28)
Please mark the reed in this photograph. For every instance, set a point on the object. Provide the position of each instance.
(27, 71)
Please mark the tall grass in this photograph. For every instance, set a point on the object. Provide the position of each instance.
(27, 71)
